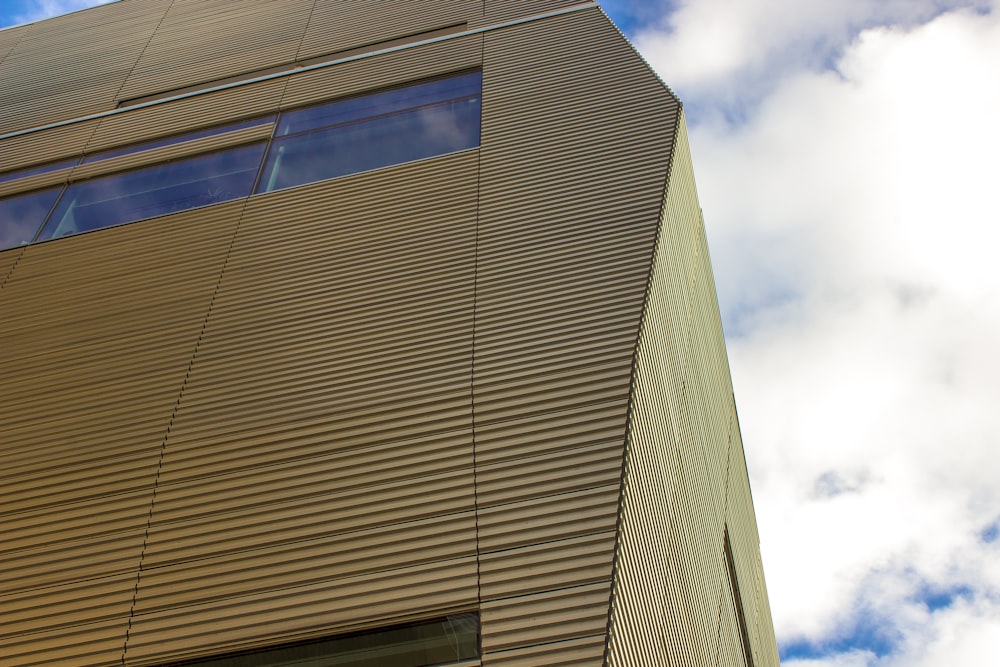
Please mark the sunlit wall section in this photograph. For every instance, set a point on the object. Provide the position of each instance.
(673, 601)
(97, 335)
(576, 138)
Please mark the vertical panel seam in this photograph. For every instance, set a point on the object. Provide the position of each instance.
(97, 125)
(305, 31)
(10, 271)
(629, 415)
(143, 52)
(472, 364)
(170, 423)
(187, 374)
(17, 43)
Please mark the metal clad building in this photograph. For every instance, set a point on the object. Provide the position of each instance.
(329, 318)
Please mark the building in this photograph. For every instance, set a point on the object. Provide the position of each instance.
(409, 351)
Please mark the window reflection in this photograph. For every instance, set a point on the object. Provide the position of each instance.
(370, 144)
(378, 104)
(20, 217)
(311, 144)
(146, 193)
(378, 130)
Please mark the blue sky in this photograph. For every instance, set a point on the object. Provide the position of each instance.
(846, 157)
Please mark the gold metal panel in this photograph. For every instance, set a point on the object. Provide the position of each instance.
(56, 143)
(75, 64)
(67, 605)
(326, 416)
(98, 333)
(452, 55)
(540, 567)
(330, 514)
(187, 48)
(306, 562)
(573, 165)
(97, 644)
(498, 11)
(174, 152)
(584, 652)
(187, 114)
(535, 435)
(36, 182)
(9, 38)
(543, 618)
(8, 260)
(594, 465)
(63, 558)
(304, 360)
(303, 612)
(548, 519)
(350, 24)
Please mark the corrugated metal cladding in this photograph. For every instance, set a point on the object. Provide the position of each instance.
(575, 134)
(391, 396)
(685, 481)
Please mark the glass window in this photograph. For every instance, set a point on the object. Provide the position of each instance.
(310, 144)
(379, 130)
(377, 104)
(21, 216)
(178, 138)
(438, 642)
(152, 191)
(45, 168)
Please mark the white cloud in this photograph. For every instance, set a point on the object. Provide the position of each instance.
(853, 218)
(731, 50)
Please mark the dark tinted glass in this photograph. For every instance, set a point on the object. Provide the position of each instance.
(437, 642)
(368, 144)
(176, 139)
(52, 166)
(146, 193)
(20, 217)
(390, 101)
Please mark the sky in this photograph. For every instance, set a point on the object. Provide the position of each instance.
(846, 153)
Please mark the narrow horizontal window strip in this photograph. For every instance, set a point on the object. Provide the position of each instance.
(145, 193)
(377, 130)
(345, 136)
(442, 641)
(379, 104)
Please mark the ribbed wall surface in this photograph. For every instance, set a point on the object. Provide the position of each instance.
(390, 396)
(94, 353)
(75, 64)
(349, 24)
(682, 486)
(327, 414)
(575, 130)
(350, 78)
(187, 114)
(497, 11)
(202, 40)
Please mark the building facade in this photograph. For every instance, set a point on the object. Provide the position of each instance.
(342, 332)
